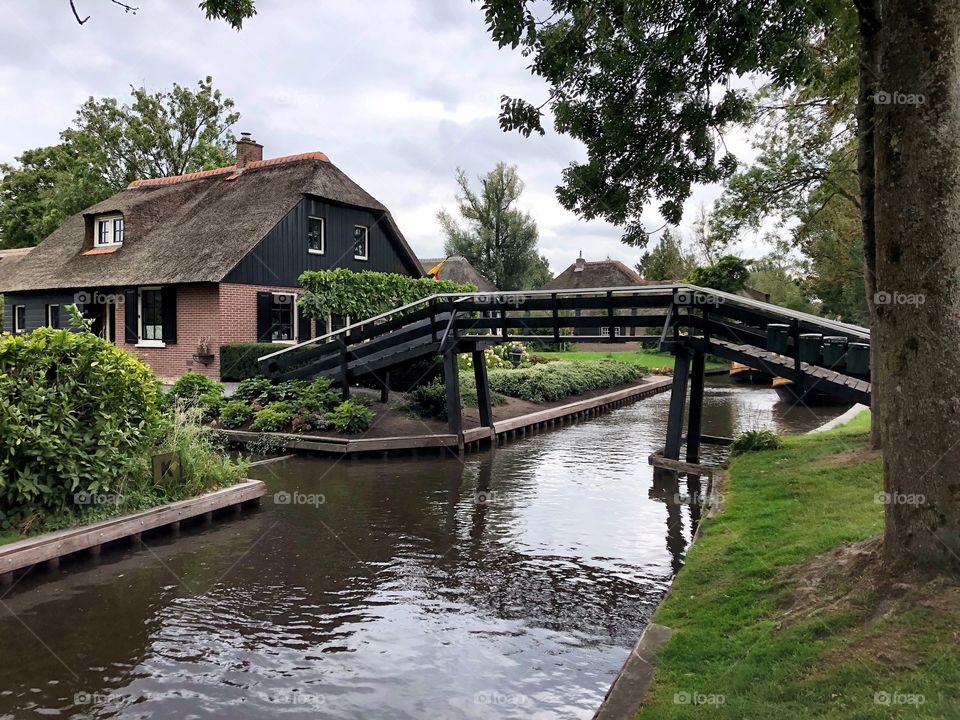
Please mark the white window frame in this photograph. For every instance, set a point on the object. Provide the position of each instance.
(17, 327)
(605, 331)
(296, 319)
(111, 227)
(366, 244)
(141, 342)
(323, 235)
(52, 310)
(617, 331)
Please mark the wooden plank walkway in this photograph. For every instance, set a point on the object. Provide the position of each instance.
(53, 546)
(845, 386)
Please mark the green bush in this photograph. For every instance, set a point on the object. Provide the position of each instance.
(547, 382)
(351, 417)
(204, 464)
(235, 413)
(319, 396)
(427, 401)
(275, 417)
(754, 440)
(191, 386)
(77, 414)
(238, 361)
(258, 389)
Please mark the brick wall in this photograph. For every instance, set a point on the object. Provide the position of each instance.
(225, 313)
(198, 309)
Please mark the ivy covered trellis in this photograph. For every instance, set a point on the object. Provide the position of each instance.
(362, 295)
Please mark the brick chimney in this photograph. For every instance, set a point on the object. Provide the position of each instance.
(248, 150)
(580, 264)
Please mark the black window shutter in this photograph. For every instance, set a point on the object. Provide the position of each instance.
(303, 326)
(264, 316)
(168, 308)
(130, 316)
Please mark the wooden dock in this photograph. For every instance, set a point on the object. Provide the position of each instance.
(50, 548)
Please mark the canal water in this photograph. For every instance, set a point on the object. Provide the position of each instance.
(510, 584)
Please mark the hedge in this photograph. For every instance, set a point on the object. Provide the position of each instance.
(238, 361)
(552, 381)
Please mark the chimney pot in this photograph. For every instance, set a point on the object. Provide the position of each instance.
(248, 150)
(580, 264)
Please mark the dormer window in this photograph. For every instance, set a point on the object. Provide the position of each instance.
(108, 231)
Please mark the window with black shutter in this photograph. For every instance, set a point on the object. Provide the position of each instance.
(283, 318)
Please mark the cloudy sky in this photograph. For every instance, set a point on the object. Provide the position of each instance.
(398, 93)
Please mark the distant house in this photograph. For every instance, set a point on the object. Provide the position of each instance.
(9, 259)
(457, 268)
(584, 275)
(212, 256)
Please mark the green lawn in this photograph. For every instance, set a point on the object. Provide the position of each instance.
(841, 651)
(647, 358)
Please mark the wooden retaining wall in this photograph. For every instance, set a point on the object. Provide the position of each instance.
(472, 439)
(50, 548)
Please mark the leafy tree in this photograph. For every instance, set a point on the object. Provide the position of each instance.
(233, 12)
(779, 275)
(108, 146)
(728, 274)
(498, 239)
(667, 261)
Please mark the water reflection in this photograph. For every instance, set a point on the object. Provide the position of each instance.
(509, 585)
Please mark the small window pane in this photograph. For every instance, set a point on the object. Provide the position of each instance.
(19, 318)
(104, 232)
(315, 230)
(360, 237)
(53, 316)
(118, 230)
(282, 318)
(151, 315)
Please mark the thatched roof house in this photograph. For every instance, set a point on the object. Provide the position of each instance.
(583, 275)
(457, 268)
(9, 261)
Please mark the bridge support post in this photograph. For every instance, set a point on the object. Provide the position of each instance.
(483, 388)
(344, 371)
(678, 396)
(451, 379)
(695, 418)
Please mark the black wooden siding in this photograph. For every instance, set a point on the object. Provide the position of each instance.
(36, 307)
(280, 258)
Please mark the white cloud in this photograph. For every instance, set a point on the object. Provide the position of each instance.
(398, 93)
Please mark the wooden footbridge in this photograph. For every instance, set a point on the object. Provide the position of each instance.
(689, 321)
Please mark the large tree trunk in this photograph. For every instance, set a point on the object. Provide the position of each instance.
(868, 14)
(917, 333)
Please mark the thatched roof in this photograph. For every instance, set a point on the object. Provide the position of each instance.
(9, 261)
(191, 228)
(458, 269)
(598, 274)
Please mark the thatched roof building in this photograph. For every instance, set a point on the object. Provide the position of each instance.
(457, 268)
(583, 275)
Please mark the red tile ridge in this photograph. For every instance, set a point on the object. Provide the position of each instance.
(231, 169)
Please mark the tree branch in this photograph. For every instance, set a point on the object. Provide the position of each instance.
(76, 15)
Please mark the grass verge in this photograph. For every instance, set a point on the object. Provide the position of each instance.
(777, 615)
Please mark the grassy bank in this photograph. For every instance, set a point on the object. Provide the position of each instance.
(646, 358)
(775, 616)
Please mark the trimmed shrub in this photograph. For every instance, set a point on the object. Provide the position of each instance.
(319, 396)
(238, 361)
(235, 413)
(351, 417)
(544, 383)
(754, 440)
(77, 414)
